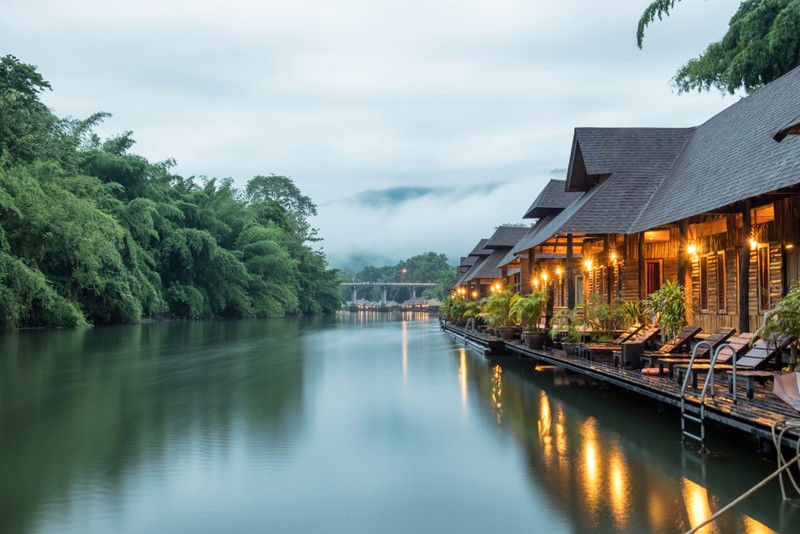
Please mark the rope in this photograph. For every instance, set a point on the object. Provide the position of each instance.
(777, 439)
(745, 495)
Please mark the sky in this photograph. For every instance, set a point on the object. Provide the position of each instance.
(414, 126)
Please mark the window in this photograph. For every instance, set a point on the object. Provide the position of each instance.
(763, 278)
(703, 266)
(652, 276)
(722, 282)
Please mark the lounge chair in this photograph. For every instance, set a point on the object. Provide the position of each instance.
(715, 340)
(676, 344)
(630, 352)
(754, 359)
(588, 350)
(738, 346)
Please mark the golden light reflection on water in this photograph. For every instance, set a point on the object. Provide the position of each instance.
(695, 497)
(545, 419)
(751, 526)
(497, 392)
(462, 377)
(562, 445)
(698, 509)
(591, 467)
(619, 486)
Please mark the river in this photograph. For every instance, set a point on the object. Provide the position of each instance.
(355, 423)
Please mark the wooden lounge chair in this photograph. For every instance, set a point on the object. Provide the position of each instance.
(630, 352)
(676, 344)
(755, 359)
(588, 350)
(738, 346)
(716, 339)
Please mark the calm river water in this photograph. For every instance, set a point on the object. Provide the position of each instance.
(358, 423)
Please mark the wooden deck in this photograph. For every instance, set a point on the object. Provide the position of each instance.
(753, 416)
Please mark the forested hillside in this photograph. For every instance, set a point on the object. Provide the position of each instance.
(91, 233)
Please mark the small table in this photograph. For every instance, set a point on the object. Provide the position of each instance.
(750, 377)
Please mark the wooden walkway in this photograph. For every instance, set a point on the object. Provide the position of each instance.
(754, 416)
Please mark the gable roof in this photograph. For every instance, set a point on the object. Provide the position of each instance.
(487, 269)
(621, 168)
(733, 156)
(506, 237)
(480, 249)
(552, 199)
(642, 178)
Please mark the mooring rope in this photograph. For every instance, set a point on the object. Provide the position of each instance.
(783, 466)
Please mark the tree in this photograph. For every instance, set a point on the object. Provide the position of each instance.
(281, 189)
(24, 120)
(762, 44)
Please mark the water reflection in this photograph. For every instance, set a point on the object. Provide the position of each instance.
(355, 424)
(404, 350)
(497, 392)
(462, 377)
(79, 410)
(607, 462)
(695, 498)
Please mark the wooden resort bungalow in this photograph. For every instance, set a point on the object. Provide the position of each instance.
(487, 271)
(715, 207)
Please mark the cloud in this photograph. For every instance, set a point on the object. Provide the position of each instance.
(356, 95)
(407, 222)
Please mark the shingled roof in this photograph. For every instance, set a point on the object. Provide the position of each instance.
(480, 249)
(642, 178)
(506, 237)
(622, 167)
(732, 157)
(487, 269)
(552, 199)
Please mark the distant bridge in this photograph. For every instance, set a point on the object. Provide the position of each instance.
(384, 286)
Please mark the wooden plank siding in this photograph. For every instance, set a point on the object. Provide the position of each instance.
(713, 235)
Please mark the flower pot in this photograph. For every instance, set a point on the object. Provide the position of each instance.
(507, 332)
(534, 340)
(570, 349)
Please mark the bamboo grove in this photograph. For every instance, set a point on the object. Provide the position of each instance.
(91, 233)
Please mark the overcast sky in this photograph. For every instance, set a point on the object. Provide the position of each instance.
(414, 125)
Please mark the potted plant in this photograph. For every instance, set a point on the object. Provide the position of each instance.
(603, 317)
(529, 309)
(784, 319)
(668, 304)
(496, 311)
(634, 312)
(564, 326)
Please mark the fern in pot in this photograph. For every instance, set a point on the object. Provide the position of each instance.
(528, 309)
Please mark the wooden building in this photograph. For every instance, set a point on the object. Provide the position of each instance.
(715, 207)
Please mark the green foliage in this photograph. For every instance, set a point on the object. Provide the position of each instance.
(761, 45)
(530, 308)
(25, 122)
(496, 308)
(564, 324)
(784, 319)
(634, 311)
(92, 233)
(603, 317)
(668, 304)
